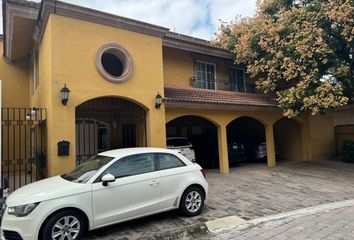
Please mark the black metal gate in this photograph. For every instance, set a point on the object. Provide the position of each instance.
(23, 141)
(108, 123)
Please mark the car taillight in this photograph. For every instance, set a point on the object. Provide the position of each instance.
(202, 171)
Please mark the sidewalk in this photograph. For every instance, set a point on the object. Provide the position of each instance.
(328, 221)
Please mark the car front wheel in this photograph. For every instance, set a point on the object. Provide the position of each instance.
(192, 201)
(64, 225)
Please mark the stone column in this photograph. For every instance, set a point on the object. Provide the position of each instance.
(270, 146)
(222, 146)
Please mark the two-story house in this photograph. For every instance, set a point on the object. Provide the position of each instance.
(77, 77)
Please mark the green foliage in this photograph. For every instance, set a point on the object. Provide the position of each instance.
(305, 44)
(348, 151)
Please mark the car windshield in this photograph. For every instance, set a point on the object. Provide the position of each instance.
(84, 172)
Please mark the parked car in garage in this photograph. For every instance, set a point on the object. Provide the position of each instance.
(236, 153)
(260, 150)
(183, 145)
(111, 187)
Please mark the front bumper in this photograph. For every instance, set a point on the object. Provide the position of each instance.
(26, 227)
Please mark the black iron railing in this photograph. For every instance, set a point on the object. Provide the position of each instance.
(218, 84)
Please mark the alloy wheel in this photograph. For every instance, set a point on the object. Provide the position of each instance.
(193, 201)
(66, 228)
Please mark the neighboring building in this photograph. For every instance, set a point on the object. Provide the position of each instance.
(114, 68)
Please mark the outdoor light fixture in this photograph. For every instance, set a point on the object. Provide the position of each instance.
(64, 93)
(158, 101)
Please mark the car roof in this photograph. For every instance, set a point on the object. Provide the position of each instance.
(122, 152)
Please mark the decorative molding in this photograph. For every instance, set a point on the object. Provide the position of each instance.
(91, 15)
(192, 47)
(170, 103)
(123, 55)
(10, 11)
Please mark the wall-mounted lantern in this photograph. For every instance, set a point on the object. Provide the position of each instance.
(158, 101)
(64, 94)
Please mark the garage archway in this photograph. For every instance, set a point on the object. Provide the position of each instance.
(246, 141)
(202, 133)
(287, 137)
(107, 123)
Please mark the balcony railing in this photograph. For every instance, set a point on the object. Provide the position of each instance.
(217, 84)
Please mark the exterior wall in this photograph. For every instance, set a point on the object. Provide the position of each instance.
(69, 49)
(287, 135)
(179, 66)
(15, 84)
(322, 137)
(344, 116)
(343, 132)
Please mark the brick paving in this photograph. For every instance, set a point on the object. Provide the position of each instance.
(251, 191)
(331, 224)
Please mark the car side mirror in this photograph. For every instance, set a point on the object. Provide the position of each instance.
(107, 178)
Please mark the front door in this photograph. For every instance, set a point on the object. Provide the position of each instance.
(136, 191)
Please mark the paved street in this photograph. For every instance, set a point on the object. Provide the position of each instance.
(325, 222)
(250, 192)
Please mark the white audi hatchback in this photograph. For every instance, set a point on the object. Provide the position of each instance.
(111, 187)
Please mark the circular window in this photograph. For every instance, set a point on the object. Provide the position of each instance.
(114, 62)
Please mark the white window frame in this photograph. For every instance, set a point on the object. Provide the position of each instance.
(215, 72)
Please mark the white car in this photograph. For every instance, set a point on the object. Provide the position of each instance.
(112, 187)
(182, 145)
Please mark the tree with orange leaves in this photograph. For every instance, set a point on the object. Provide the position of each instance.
(301, 50)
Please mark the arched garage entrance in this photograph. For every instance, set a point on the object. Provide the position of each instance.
(108, 123)
(203, 136)
(246, 141)
(287, 137)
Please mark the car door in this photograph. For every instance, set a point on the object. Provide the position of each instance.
(174, 173)
(135, 192)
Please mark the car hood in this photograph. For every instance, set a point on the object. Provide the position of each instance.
(43, 190)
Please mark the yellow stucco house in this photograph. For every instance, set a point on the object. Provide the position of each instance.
(115, 68)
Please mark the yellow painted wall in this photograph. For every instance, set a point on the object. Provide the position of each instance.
(322, 137)
(69, 49)
(15, 84)
(179, 67)
(287, 135)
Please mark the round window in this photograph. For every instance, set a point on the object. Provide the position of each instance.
(114, 62)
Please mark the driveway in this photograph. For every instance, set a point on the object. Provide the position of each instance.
(251, 191)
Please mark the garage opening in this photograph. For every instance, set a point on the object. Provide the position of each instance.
(201, 133)
(246, 141)
(108, 123)
(287, 137)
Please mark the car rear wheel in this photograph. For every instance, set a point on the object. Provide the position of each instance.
(64, 225)
(192, 201)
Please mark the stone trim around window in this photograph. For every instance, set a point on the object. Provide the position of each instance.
(123, 55)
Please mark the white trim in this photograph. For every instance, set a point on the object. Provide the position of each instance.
(215, 72)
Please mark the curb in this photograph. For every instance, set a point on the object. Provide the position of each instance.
(193, 231)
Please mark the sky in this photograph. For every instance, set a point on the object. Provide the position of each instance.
(197, 18)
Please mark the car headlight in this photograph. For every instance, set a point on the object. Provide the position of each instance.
(22, 210)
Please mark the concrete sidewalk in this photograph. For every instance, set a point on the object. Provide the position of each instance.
(326, 221)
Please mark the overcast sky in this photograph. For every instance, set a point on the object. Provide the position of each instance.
(198, 18)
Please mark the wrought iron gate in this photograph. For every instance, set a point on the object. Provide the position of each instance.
(23, 146)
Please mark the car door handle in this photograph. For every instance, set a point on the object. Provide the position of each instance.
(154, 183)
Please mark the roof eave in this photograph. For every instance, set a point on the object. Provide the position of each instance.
(193, 47)
(86, 14)
(174, 103)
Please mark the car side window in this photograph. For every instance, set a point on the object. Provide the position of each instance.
(132, 165)
(167, 161)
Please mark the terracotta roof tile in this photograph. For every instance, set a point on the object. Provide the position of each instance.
(175, 93)
(193, 40)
